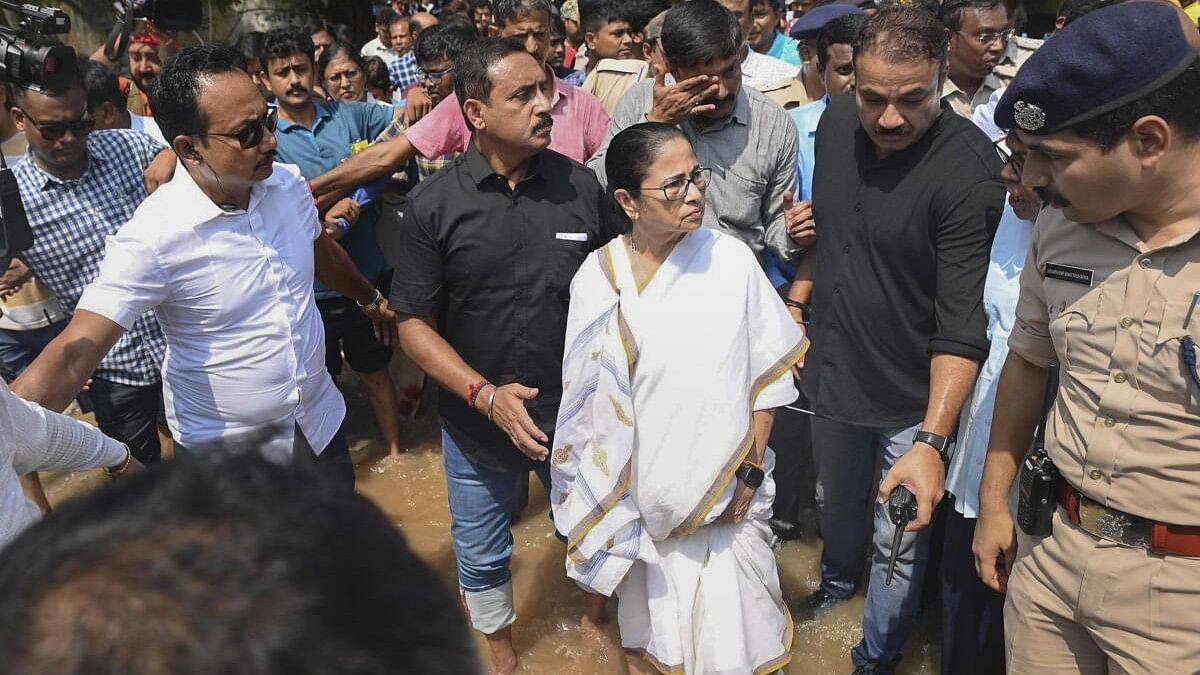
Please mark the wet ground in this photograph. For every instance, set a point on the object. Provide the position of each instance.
(411, 489)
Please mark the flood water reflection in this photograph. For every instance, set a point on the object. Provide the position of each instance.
(411, 489)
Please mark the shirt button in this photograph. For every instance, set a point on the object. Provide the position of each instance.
(845, 249)
(1145, 262)
(1095, 474)
(857, 208)
(1126, 322)
(1119, 378)
(1110, 422)
(837, 290)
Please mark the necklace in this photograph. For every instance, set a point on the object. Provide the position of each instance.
(634, 245)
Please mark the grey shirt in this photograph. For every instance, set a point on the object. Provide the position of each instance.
(752, 155)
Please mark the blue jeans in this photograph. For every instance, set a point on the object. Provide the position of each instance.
(18, 348)
(845, 457)
(481, 501)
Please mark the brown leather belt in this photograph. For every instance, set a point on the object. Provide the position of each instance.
(1128, 530)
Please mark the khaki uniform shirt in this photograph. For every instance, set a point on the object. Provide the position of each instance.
(1125, 429)
(789, 93)
(611, 78)
(965, 105)
(1018, 51)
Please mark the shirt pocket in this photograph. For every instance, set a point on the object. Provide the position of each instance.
(568, 252)
(1071, 331)
(1169, 379)
(739, 202)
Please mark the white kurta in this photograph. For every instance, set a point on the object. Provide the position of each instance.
(711, 343)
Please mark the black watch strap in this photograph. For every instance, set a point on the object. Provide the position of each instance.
(939, 443)
(750, 474)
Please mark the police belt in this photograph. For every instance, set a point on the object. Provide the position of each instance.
(1100, 521)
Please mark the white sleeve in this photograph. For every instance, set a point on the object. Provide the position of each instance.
(48, 441)
(129, 284)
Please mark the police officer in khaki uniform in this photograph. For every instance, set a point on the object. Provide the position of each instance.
(1105, 124)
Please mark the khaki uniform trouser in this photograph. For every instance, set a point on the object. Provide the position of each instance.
(1078, 604)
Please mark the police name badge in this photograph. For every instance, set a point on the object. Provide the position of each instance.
(1029, 116)
(1069, 273)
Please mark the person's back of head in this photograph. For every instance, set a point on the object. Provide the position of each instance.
(697, 32)
(378, 81)
(843, 30)
(445, 41)
(640, 12)
(105, 102)
(230, 564)
(249, 45)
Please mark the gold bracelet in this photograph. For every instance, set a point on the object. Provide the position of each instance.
(124, 465)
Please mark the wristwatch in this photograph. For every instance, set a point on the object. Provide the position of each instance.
(373, 305)
(938, 442)
(751, 474)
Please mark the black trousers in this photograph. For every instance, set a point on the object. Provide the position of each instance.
(130, 415)
(972, 613)
(795, 476)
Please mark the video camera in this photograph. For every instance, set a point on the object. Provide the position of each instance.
(169, 14)
(29, 57)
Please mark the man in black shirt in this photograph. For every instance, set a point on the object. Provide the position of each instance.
(487, 251)
(907, 199)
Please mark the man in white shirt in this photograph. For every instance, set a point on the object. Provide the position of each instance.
(381, 44)
(222, 255)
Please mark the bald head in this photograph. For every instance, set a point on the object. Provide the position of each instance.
(420, 21)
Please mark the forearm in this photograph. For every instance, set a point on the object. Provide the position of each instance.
(1013, 423)
(429, 350)
(802, 284)
(762, 421)
(335, 269)
(379, 159)
(951, 379)
(64, 366)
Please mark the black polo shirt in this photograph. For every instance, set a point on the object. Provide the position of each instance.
(494, 267)
(902, 257)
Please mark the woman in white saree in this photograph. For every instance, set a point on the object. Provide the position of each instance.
(678, 351)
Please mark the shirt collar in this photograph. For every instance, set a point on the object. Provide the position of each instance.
(482, 174)
(990, 84)
(196, 208)
(324, 114)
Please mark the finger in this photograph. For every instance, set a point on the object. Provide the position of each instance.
(988, 574)
(526, 393)
(528, 426)
(787, 200)
(660, 76)
(890, 481)
(926, 503)
(532, 449)
(708, 107)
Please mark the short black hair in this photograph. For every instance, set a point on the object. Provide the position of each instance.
(339, 31)
(384, 16)
(101, 85)
(639, 12)
(283, 42)
(224, 563)
(480, 4)
(472, 68)
(843, 30)
(504, 11)
(557, 26)
(775, 5)
(594, 15)
(375, 71)
(249, 45)
(1177, 102)
(335, 50)
(951, 11)
(903, 34)
(446, 40)
(630, 155)
(699, 31)
(73, 80)
(175, 94)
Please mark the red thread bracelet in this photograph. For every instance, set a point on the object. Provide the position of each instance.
(473, 391)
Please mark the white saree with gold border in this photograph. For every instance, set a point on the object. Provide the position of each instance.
(659, 387)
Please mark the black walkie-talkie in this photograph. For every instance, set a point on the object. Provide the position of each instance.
(902, 509)
(1039, 476)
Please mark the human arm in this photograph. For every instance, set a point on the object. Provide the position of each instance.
(1014, 420)
(160, 170)
(52, 441)
(377, 160)
(417, 104)
(779, 213)
(59, 373)
(340, 217)
(16, 275)
(743, 494)
(429, 350)
(334, 268)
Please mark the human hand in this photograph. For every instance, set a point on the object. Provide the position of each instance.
(798, 216)
(995, 547)
(383, 320)
(921, 471)
(160, 170)
(676, 102)
(347, 209)
(798, 369)
(417, 104)
(738, 506)
(17, 275)
(509, 413)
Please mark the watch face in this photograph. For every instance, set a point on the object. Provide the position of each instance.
(751, 475)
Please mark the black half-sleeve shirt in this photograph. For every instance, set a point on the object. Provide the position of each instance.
(902, 257)
(494, 266)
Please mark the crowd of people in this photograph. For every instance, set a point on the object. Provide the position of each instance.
(593, 227)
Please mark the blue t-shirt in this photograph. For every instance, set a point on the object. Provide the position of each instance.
(786, 49)
(337, 128)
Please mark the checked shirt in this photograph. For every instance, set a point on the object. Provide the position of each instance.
(404, 72)
(70, 221)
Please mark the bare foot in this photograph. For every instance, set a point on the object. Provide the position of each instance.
(596, 613)
(504, 658)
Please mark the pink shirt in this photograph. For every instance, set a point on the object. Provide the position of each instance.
(580, 123)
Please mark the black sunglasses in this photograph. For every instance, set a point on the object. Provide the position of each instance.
(52, 131)
(1017, 162)
(252, 134)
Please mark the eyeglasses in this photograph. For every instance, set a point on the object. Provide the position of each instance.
(252, 134)
(986, 39)
(349, 75)
(1017, 162)
(677, 189)
(435, 75)
(52, 131)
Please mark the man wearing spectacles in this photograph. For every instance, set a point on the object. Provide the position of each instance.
(80, 186)
(225, 255)
(978, 32)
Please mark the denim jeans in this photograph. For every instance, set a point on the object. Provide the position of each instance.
(845, 457)
(18, 348)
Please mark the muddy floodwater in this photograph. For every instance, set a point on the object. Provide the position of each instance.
(411, 489)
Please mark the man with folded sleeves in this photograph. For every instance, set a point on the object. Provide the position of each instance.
(1105, 123)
